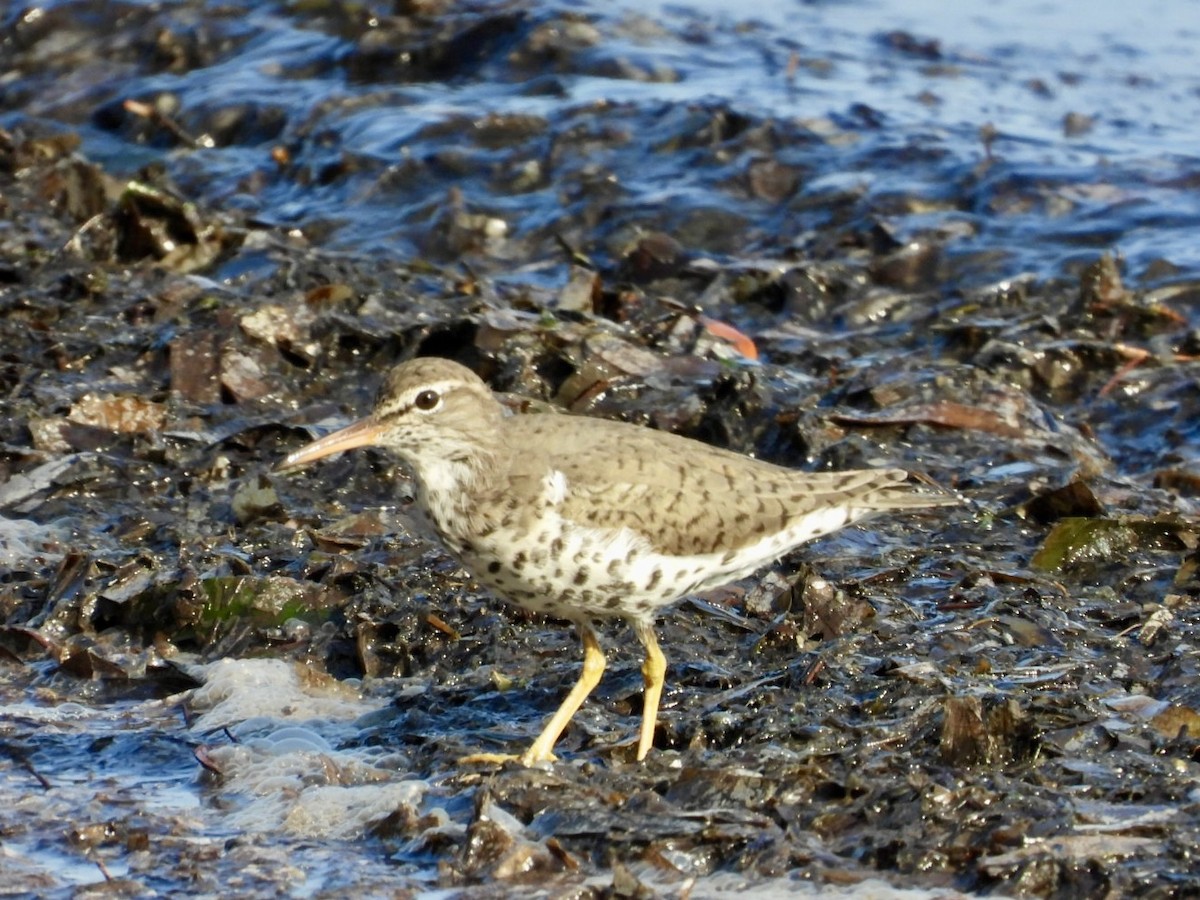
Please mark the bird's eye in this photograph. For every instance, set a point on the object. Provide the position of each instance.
(427, 400)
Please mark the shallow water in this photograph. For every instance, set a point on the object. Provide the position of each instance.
(900, 120)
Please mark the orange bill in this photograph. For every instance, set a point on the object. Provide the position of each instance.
(363, 433)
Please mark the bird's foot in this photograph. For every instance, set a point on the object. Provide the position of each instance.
(526, 759)
(487, 759)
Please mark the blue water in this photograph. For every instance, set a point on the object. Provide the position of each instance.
(902, 127)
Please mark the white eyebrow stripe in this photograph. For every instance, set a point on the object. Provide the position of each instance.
(409, 398)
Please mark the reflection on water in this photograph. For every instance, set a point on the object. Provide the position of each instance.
(1090, 120)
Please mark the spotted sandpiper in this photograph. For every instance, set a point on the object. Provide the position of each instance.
(582, 518)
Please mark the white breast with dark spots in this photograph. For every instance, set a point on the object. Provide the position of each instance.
(571, 569)
(567, 570)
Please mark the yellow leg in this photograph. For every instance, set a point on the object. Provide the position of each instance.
(654, 669)
(593, 668)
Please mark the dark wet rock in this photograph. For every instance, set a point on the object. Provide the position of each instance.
(1074, 499)
(907, 43)
(911, 267)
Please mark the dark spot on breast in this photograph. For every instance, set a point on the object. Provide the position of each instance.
(655, 578)
(494, 567)
(556, 545)
(581, 575)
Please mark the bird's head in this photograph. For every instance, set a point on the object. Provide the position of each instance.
(432, 413)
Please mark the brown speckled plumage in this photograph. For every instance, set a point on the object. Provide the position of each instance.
(581, 518)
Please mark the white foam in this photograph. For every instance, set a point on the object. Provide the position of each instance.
(23, 541)
(236, 690)
(285, 769)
